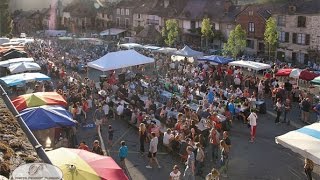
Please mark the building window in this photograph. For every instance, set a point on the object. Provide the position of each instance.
(283, 36)
(250, 13)
(281, 20)
(122, 11)
(118, 11)
(250, 43)
(251, 27)
(300, 57)
(138, 16)
(214, 26)
(126, 23)
(192, 25)
(118, 21)
(302, 39)
(152, 22)
(302, 21)
(127, 12)
(102, 15)
(229, 26)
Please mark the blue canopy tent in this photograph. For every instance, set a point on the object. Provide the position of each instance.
(216, 59)
(20, 79)
(46, 117)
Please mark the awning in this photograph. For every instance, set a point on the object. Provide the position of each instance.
(112, 32)
(130, 45)
(15, 60)
(166, 50)
(20, 79)
(216, 59)
(120, 59)
(152, 48)
(23, 67)
(304, 141)
(250, 64)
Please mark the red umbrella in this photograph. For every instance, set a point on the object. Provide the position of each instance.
(284, 72)
(307, 75)
(38, 99)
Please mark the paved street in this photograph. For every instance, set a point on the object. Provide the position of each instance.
(262, 160)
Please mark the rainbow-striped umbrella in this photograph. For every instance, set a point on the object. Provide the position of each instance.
(78, 164)
(38, 99)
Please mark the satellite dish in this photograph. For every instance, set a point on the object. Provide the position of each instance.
(96, 5)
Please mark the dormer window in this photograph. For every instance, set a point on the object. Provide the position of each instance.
(250, 13)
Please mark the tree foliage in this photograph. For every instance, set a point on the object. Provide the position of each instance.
(236, 42)
(5, 18)
(206, 29)
(271, 34)
(170, 32)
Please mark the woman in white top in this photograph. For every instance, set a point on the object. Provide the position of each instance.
(252, 118)
(175, 173)
(253, 101)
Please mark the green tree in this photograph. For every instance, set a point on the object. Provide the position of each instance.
(271, 35)
(206, 30)
(5, 19)
(236, 42)
(170, 32)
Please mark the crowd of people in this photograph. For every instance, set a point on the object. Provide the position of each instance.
(186, 107)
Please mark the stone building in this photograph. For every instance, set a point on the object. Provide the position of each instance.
(299, 31)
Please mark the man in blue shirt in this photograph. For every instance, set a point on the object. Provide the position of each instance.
(123, 153)
(210, 96)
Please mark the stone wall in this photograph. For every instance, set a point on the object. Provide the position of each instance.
(15, 149)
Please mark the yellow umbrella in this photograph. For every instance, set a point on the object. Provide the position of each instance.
(78, 164)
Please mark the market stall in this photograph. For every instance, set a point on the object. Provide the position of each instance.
(257, 66)
(120, 59)
(304, 141)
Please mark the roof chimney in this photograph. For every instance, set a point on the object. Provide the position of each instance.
(226, 6)
(166, 3)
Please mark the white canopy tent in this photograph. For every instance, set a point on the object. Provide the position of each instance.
(250, 64)
(304, 141)
(188, 52)
(131, 45)
(120, 59)
(15, 60)
(166, 50)
(23, 67)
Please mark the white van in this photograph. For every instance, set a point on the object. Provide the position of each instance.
(4, 40)
(23, 35)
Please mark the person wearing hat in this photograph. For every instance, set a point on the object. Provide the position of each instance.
(213, 175)
(96, 148)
